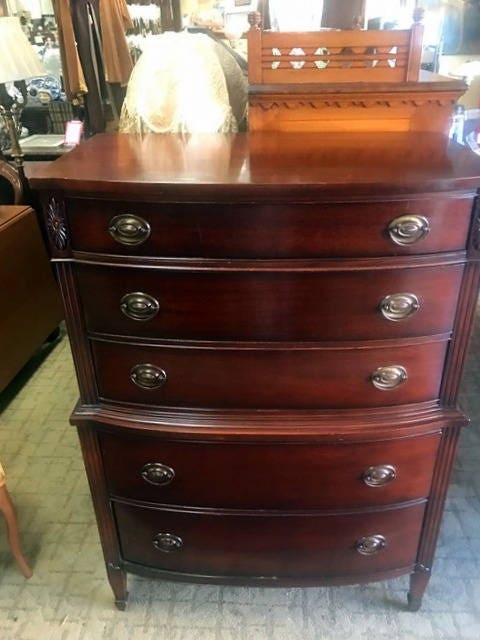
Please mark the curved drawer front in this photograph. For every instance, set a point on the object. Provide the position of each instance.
(265, 231)
(281, 546)
(269, 476)
(268, 378)
(273, 305)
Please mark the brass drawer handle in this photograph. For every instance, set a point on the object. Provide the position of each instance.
(157, 473)
(407, 230)
(148, 376)
(399, 306)
(385, 378)
(139, 306)
(379, 475)
(370, 545)
(129, 229)
(167, 542)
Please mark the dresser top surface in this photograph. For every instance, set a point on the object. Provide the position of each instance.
(262, 165)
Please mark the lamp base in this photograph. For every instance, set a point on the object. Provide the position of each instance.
(11, 116)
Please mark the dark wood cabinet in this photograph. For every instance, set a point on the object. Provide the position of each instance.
(269, 332)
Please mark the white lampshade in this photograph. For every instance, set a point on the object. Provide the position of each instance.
(18, 60)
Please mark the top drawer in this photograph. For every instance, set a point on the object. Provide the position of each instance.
(399, 227)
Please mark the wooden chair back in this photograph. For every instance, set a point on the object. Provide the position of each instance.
(11, 176)
(276, 57)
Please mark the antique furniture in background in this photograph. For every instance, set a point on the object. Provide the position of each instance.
(31, 307)
(11, 185)
(269, 331)
(8, 510)
(41, 147)
(18, 61)
(345, 81)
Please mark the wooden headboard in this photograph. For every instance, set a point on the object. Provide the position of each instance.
(276, 57)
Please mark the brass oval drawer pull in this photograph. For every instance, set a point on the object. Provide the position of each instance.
(148, 376)
(370, 545)
(157, 473)
(399, 306)
(167, 542)
(407, 230)
(129, 229)
(385, 378)
(139, 306)
(379, 475)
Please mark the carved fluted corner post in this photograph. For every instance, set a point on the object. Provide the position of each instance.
(92, 457)
(433, 516)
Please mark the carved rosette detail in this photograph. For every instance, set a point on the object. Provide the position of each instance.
(56, 227)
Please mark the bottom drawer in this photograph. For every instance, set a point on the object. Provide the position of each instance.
(280, 545)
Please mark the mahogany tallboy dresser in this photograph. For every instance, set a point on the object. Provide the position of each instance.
(269, 331)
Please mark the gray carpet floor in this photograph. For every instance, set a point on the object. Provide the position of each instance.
(68, 597)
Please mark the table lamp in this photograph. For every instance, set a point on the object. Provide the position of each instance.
(18, 61)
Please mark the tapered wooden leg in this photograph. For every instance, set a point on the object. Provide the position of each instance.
(118, 581)
(418, 584)
(8, 510)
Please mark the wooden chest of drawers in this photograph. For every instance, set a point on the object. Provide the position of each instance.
(269, 333)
